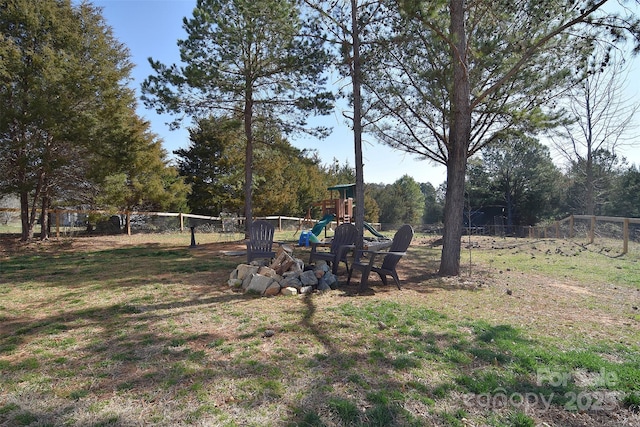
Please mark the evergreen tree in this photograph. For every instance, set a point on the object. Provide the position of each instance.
(522, 178)
(63, 82)
(432, 208)
(136, 174)
(247, 59)
(625, 197)
(286, 181)
(210, 166)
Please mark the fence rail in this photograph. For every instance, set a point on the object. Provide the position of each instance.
(65, 219)
(592, 226)
(574, 226)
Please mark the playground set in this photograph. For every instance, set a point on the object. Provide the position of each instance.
(338, 209)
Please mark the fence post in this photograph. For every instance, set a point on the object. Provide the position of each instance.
(181, 219)
(128, 223)
(625, 233)
(57, 214)
(571, 227)
(279, 223)
(592, 230)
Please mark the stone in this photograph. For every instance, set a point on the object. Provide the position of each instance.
(245, 270)
(331, 278)
(272, 290)
(306, 289)
(321, 264)
(259, 284)
(323, 286)
(308, 278)
(291, 281)
(289, 291)
(267, 271)
(234, 275)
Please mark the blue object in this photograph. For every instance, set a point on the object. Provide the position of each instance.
(304, 238)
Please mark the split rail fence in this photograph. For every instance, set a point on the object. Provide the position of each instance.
(591, 227)
(70, 221)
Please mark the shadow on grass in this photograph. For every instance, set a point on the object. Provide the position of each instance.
(360, 362)
(132, 266)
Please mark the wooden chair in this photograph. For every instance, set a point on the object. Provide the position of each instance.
(260, 241)
(390, 258)
(343, 241)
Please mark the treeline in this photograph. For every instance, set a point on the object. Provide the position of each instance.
(256, 71)
(69, 132)
(518, 181)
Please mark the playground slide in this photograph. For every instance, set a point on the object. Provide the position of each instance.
(373, 230)
(326, 220)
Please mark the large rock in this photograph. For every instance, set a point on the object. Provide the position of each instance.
(272, 290)
(323, 286)
(308, 278)
(259, 284)
(291, 281)
(244, 270)
(267, 271)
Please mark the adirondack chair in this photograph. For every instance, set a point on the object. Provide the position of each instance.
(260, 241)
(344, 240)
(390, 259)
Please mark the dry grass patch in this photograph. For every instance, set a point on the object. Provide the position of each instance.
(144, 331)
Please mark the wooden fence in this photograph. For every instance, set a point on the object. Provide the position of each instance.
(56, 215)
(567, 228)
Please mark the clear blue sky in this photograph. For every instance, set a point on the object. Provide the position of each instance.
(151, 28)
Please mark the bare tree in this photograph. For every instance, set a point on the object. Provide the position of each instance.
(601, 110)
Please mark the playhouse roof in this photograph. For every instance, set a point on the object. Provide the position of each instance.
(345, 190)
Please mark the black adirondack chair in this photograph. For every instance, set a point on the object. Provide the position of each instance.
(389, 259)
(260, 241)
(343, 241)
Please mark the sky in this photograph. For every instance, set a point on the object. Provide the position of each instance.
(151, 28)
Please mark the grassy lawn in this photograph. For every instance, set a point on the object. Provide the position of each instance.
(143, 330)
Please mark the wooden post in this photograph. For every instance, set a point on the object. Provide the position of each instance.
(181, 219)
(571, 227)
(128, 223)
(279, 223)
(625, 233)
(57, 214)
(592, 230)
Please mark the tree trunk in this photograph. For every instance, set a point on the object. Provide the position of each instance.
(590, 205)
(248, 165)
(453, 215)
(27, 231)
(459, 136)
(357, 124)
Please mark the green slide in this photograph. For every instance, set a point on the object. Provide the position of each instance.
(326, 220)
(373, 230)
